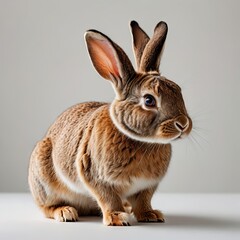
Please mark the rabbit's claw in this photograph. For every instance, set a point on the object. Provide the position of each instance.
(151, 216)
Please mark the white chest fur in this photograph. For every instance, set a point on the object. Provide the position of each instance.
(139, 184)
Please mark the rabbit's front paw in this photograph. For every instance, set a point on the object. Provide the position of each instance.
(66, 214)
(150, 216)
(119, 219)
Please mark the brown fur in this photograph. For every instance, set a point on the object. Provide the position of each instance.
(98, 156)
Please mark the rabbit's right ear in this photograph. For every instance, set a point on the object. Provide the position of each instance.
(151, 56)
(109, 60)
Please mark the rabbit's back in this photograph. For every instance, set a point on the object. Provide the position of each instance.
(73, 121)
(68, 129)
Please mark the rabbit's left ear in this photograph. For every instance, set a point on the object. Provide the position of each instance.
(151, 56)
(109, 60)
(140, 39)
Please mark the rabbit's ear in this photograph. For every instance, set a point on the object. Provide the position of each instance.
(151, 57)
(140, 39)
(109, 59)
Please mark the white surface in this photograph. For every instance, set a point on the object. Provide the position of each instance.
(44, 69)
(188, 216)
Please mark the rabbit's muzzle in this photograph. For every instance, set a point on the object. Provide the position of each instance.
(178, 127)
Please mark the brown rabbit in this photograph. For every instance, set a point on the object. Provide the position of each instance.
(98, 155)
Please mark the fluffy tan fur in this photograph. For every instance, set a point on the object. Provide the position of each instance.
(97, 157)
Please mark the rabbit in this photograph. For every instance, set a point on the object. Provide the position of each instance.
(98, 156)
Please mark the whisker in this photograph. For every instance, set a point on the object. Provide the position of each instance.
(196, 141)
(197, 128)
(187, 149)
(200, 112)
(201, 136)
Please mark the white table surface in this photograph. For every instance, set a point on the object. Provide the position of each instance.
(188, 216)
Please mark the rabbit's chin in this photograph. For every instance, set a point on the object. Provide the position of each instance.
(151, 139)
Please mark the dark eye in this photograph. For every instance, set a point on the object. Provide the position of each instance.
(149, 101)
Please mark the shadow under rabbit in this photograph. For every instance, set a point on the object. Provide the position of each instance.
(200, 222)
(184, 221)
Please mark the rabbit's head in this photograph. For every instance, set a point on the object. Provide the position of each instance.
(148, 107)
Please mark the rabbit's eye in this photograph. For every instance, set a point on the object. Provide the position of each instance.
(149, 101)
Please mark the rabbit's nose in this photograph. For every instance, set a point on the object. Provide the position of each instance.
(181, 123)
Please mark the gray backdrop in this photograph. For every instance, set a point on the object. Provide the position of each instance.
(44, 68)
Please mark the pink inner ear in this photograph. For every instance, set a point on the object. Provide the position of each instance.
(104, 59)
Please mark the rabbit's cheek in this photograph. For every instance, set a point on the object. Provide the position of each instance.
(144, 122)
(168, 131)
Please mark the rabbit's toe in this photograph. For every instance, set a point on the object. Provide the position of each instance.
(150, 216)
(66, 214)
(119, 219)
